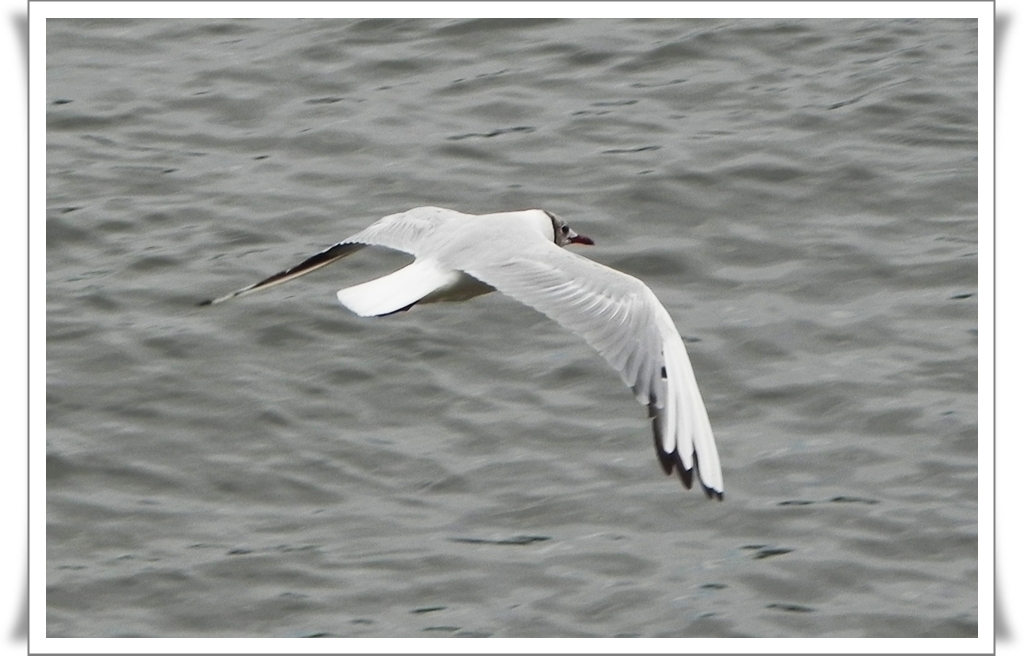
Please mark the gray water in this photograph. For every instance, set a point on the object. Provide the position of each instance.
(800, 194)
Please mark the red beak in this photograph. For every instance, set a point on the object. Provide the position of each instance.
(580, 239)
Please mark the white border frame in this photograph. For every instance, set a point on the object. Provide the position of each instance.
(41, 10)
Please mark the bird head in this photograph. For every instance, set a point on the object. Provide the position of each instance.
(564, 235)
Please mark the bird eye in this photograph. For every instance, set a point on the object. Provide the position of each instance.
(565, 230)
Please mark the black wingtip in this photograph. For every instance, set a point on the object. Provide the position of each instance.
(685, 475)
(710, 493)
(670, 461)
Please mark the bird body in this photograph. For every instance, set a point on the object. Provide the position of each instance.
(460, 256)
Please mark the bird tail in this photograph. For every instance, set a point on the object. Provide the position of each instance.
(399, 290)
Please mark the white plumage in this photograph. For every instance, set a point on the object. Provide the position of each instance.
(459, 256)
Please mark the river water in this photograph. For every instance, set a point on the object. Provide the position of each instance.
(801, 194)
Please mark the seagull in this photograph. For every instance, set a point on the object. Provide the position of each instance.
(459, 256)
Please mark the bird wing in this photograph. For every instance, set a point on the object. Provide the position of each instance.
(622, 319)
(416, 231)
(406, 231)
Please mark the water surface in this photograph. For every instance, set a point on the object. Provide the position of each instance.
(801, 195)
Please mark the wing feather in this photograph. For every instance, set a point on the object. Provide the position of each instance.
(622, 319)
(417, 231)
(408, 232)
(310, 264)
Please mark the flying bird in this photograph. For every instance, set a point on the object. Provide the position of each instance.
(459, 256)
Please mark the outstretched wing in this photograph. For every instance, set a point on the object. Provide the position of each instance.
(622, 319)
(416, 231)
(311, 263)
(405, 231)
